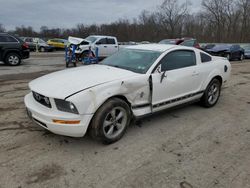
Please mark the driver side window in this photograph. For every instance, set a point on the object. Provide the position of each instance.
(102, 41)
(178, 59)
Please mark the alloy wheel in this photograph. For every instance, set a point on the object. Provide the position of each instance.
(115, 122)
(213, 93)
(13, 60)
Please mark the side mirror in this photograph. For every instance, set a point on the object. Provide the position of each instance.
(163, 75)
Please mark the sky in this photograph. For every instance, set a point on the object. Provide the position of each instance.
(68, 13)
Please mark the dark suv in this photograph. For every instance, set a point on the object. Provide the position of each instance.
(12, 49)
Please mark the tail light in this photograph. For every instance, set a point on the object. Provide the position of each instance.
(25, 46)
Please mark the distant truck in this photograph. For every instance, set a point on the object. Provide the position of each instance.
(107, 45)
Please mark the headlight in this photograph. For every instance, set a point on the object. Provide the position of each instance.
(41, 99)
(66, 106)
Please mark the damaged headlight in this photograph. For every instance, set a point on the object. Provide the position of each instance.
(66, 106)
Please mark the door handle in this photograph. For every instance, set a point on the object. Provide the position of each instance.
(195, 73)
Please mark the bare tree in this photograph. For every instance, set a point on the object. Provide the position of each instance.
(244, 7)
(215, 15)
(172, 15)
(218, 21)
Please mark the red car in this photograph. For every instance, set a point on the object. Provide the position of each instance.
(190, 42)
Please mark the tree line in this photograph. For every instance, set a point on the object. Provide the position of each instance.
(216, 21)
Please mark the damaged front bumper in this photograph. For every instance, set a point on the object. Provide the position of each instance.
(58, 122)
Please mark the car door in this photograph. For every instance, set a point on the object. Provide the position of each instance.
(62, 44)
(235, 51)
(238, 51)
(54, 43)
(102, 45)
(2, 41)
(112, 46)
(176, 79)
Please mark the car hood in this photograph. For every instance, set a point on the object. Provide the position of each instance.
(76, 41)
(63, 84)
(218, 49)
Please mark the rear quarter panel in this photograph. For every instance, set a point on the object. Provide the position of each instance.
(215, 68)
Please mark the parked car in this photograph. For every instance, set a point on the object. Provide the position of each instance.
(13, 49)
(247, 51)
(190, 42)
(144, 42)
(58, 43)
(107, 45)
(171, 41)
(229, 51)
(208, 46)
(38, 44)
(134, 82)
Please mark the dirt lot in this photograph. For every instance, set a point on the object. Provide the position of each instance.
(190, 147)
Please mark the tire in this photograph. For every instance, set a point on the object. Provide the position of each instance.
(42, 49)
(13, 59)
(241, 57)
(211, 94)
(111, 120)
(67, 64)
(85, 54)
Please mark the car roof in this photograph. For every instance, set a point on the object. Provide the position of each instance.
(158, 47)
(101, 36)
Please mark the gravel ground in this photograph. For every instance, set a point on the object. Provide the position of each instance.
(189, 147)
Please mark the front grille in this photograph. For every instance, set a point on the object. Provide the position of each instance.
(42, 99)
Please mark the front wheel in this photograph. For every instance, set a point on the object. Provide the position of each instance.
(42, 49)
(241, 57)
(211, 94)
(13, 59)
(111, 121)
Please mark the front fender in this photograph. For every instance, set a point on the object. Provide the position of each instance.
(10, 51)
(135, 90)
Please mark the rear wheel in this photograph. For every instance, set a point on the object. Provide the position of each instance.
(13, 59)
(111, 121)
(241, 57)
(211, 94)
(228, 57)
(42, 49)
(84, 55)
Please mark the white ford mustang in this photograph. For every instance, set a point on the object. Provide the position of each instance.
(134, 82)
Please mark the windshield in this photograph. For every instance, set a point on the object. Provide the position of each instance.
(138, 61)
(41, 41)
(91, 39)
